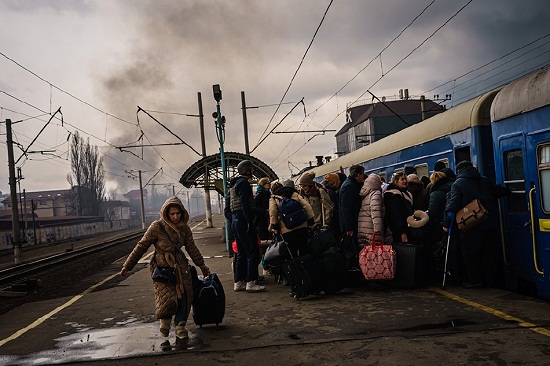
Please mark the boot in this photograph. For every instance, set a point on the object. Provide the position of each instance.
(165, 327)
(181, 332)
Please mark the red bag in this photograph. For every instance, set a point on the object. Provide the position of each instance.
(377, 261)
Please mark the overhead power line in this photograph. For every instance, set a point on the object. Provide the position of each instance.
(262, 138)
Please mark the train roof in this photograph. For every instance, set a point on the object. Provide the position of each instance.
(523, 95)
(459, 118)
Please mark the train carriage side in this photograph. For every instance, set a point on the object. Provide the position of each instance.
(520, 117)
(452, 136)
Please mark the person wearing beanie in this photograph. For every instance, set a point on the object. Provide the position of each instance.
(243, 215)
(297, 237)
(449, 173)
(319, 199)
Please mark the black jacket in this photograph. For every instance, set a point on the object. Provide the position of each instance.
(438, 200)
(470, 184)
(262, 214)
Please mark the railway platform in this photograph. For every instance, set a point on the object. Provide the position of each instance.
(112, 323)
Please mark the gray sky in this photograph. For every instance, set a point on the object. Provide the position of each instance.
(100, 59)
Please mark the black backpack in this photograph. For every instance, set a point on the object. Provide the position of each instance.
(291, 212)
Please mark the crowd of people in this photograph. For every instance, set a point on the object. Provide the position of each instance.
(408, 209)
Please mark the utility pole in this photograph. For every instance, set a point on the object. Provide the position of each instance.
(142, 204)
(208, 206)
(13, 196)
(245, 124)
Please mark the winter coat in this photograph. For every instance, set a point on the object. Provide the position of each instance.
(438, 200)
(167, 295)
(419, 193)
(262, 213)
(371, 214)
(274, 219)
(350, 204)
(470, 184)
(398, 207)
(321, 204)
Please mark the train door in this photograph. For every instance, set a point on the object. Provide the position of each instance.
(538, 146)
(515, 213)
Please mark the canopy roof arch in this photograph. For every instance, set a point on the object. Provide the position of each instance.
(207, 172)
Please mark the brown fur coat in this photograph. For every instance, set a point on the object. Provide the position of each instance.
(167, 295)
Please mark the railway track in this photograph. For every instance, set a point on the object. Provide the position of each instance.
(17, 281)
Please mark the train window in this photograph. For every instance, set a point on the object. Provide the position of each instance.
(461, 154)
(515, 180)
(422, 170)
(544, 170)
(383, 176)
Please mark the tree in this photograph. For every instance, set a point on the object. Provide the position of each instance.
(88, 177)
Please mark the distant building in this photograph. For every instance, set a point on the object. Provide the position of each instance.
(370, 122)
(53, 203)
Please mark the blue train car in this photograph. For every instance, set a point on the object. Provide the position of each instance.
(451, 137)
(520, 117)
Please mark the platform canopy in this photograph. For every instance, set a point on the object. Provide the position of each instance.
(207, 172)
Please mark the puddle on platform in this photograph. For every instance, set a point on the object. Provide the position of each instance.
(142, 338)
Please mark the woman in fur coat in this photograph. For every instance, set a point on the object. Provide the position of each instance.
(171, 230)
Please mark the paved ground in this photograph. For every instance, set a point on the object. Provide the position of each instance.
(113, 325)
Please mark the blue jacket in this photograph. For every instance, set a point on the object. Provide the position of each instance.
(349, 204)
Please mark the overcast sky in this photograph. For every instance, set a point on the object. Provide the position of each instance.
(98, 60)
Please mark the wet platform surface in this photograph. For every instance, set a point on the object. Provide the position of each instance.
(113, 323)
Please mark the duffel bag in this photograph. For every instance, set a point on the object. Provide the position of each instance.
(277, 252)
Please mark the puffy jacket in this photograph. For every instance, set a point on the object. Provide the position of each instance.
(261, 200)
(275, 222)
(371, 213)
(167, 295)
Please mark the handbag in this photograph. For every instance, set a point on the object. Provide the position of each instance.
(277, 252)
(377, 261)
(471, 215)
(164, 274)
(348, 246)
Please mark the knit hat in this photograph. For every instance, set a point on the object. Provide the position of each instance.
(333, 179)
(449, 173)
(244, 167)
(263, 181)
(289, 183)
(439, 166)
(275, 186)
(463, 164)
(307, 179)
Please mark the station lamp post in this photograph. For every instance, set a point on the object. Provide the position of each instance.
(220, 133)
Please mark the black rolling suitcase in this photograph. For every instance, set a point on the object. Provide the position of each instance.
(334, 274)
(303, 276)
(208, 300)
(409, 266)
